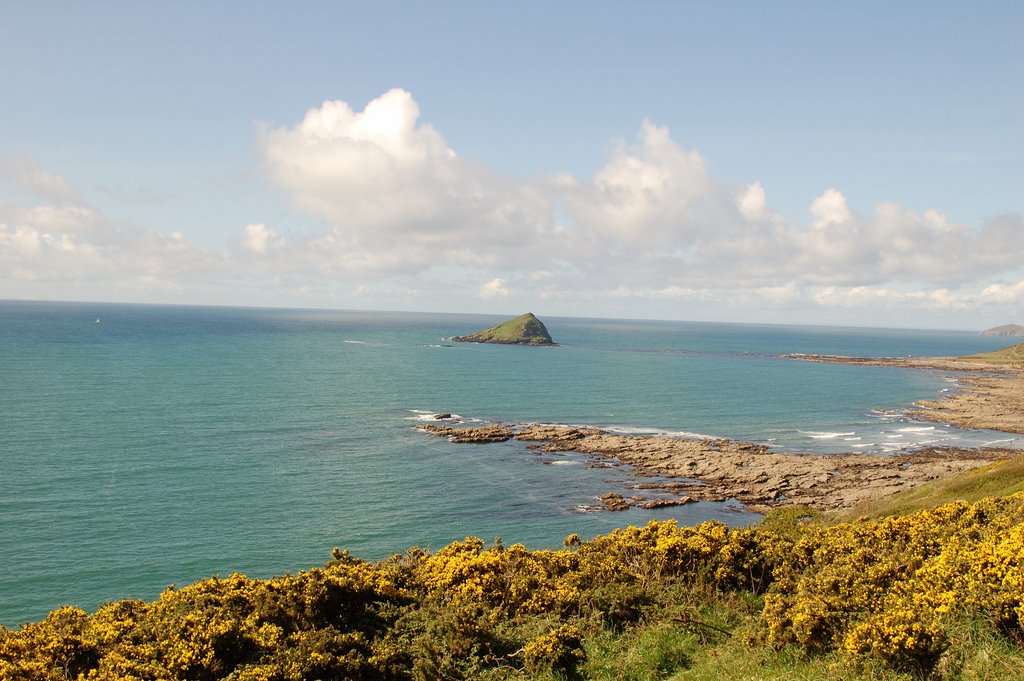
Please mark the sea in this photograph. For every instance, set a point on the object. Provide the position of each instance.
(145, 446)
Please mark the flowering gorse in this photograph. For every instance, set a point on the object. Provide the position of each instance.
(886, 589)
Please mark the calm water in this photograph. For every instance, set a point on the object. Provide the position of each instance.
(166, 444)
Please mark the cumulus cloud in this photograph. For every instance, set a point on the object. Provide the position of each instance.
(752, 202)
(394, 197)
(651, 194)
(397, 212)
(260, 239)
(495, 288)
(1003, 293)
(390, 189)
(830, 209)
(369, 170)
(69, 250)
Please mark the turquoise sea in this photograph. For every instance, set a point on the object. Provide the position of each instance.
(142, 446)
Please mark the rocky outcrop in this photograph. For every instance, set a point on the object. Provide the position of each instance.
(478, 435)
(719, 470)
(523, 330)
(614, 502)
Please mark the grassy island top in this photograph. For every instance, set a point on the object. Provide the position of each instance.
(523, 330)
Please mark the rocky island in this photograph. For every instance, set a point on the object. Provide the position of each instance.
(523, 330)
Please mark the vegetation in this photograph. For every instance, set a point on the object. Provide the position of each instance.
(523, 330)
(1011, 355)
(998, 479)
(931, 593)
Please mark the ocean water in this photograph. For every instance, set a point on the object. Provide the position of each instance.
(142, 446)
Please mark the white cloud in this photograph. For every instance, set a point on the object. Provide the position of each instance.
(394, 195)
(878, 297)
(1003, 293)
(371, 170)
(648, 195)
(27, 173)
(830, 208)
(778, 295)
(752, 202)
(399, 215)
(495, 288)
(395, 198)
(259, 238)
(69, 250)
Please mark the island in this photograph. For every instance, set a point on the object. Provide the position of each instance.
(1004, 330)
(523, 330)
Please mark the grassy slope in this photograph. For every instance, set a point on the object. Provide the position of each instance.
(998, 479)
(1011, 355)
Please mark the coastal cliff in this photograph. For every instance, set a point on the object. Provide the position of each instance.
(523, 330)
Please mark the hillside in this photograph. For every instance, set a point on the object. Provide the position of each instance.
(1005, 330)
(1011, 355)
(523, 330)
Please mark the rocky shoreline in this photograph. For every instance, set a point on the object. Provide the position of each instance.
(720, 470)
(991, 396)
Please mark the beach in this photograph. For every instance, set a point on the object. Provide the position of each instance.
(990, 397)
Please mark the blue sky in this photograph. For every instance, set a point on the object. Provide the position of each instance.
(807, 162)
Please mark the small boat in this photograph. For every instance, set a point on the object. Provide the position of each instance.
(97, 320)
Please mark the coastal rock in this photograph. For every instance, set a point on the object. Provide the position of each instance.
(523, 330)
(473, 435)
(614, 502)
(720, 469)
(660, 503)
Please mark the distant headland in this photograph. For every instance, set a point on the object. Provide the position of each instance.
(523, 330)
(1004, 330)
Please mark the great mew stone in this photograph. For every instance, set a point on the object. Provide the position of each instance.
(523, 330)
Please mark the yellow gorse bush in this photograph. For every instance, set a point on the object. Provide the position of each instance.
(888, 589)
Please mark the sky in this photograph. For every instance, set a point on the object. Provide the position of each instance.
(857, 163)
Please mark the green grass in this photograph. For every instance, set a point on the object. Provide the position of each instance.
(1011, 355)
(523, 330)
(998, 479)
